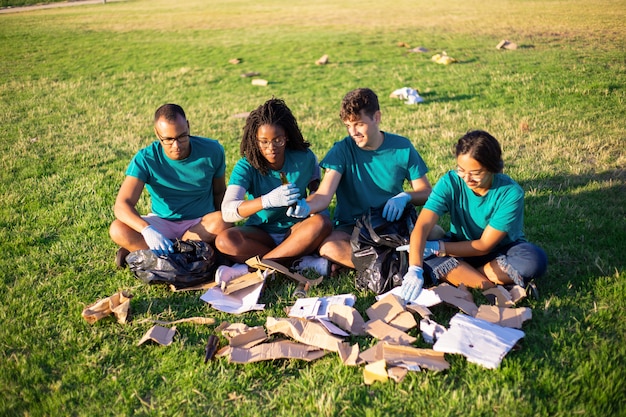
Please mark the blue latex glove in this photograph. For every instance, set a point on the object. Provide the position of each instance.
(281, 196)
(300, 211)
(159, 244)
(431, 248)
(412, 283)
(395, 206)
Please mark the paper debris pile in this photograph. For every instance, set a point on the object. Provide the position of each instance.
(410, 95)
(443, 58)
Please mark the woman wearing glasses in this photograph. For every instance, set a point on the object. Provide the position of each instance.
(486, 245)
(275, 171)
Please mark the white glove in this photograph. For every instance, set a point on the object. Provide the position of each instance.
(300, 211)
(431, 248)
(412, 283)
(395, 206)
(281, 196)
(159, 244)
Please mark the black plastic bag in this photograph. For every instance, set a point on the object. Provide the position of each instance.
(374, 240)
(193, 262)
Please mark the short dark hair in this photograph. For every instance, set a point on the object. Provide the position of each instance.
(169, 112)
(482, 147)
(357, 100)
(273, 112)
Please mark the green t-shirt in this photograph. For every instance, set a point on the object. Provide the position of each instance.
(300, 168)
(501, 208)
(371, 178)
(180, 189)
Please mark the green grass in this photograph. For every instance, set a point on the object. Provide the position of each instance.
(79, 85)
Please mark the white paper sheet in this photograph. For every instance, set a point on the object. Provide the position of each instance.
(427, 297)
(237, 302)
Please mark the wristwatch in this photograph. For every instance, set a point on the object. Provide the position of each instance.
(442, 249)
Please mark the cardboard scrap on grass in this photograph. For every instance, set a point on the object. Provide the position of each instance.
(118, 304)
(160, 335)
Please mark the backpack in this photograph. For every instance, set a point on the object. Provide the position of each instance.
(379, 267)
(193, 262)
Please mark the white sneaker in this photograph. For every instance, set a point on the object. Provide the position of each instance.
(316, 263)
(226, 273)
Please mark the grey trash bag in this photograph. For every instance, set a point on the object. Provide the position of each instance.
(193, 262)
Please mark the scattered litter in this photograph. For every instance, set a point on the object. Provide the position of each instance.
(419, 49)
(505, 44)
(243, 115)
(212, 344)
(443, 58)
(161, 335)
(459, 297)
(282, 349)
(411, 357)
(403, 45)
(237, 302)
(387, 333)
(200, 287)
(375, 371)
(322, 61)
(118, 304)
(259, 81)
(409, 94)
(194, 320)
(234, 61)
(250, 74)
(431, 330)
(507, 317)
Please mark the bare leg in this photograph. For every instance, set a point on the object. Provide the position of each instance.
(126, 237)
(209, 227)
(241, 243)
(467, 275)
(304, 238)
(495, 274)
(337, 248)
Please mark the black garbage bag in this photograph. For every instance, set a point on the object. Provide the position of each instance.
(374, 240)
(193, 262)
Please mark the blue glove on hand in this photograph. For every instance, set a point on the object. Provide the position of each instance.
(431, 248)
(412, 283)
(281, 196)
(300, 211)
(395, 206)
(159, 244)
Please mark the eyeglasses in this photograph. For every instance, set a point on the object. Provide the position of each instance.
(473, 175)
(183, 138)
(278, 142)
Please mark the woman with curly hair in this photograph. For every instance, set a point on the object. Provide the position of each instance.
(276, 169)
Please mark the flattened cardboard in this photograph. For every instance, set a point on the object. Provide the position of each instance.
(194, 320)
(118, 304)
(387, 333)
(410, 356)
(200, 287)
(423, 311)
(283, 349)
(349, 355)
(385, 309)
(458, 297)
(237, 302)
(507, 317)
(244, 281)
(517, 293)
(252, 337)
(478, 340)
(501, 296)
(404, 321)
(161, 335)
(397, 373)
(304, 331)
(375, 371)
(373, 354)
(348, 318)
(257, 263)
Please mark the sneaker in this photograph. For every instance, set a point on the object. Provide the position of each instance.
(320, 265)
(226, 273)
(120, 258)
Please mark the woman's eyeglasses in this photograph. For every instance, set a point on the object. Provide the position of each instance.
(278, 142)
(473, 175)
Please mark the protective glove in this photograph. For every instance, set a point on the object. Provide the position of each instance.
(300, 210)
(281, 196)
(159, 244)
(395, 206)
(431, 248)
(412, 283)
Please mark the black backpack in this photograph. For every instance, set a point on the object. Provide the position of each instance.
(379, 267)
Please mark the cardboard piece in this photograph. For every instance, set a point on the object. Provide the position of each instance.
(259, 82)
(443, 58)
(505, 44)
(373, 354)
(517, 293)
(118, 304)
(282, 349)
(304, 331)
(431, 330)
(244, 281)
(411, 357)
(499, 296)
(404, 321)
(237, 302)
(317, 307)
(507, 317)
(423, 311)
(348, 318)
(256, 262)
(458, 297)
(375, 371)
(252, 337)
(200, 287)
(397, 373)
(349, 355)
(385, 309)
(387, 333)
(161, 335)
(478, 340)
(323, 60)
(426, 298)
(194, 320)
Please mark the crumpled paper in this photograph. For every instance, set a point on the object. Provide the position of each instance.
(410, 95)
(117, 304)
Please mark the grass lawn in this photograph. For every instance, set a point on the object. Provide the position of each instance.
(79, 86)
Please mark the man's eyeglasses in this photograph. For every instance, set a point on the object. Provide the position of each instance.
(473, 175)
(182, 138)
(278, 142)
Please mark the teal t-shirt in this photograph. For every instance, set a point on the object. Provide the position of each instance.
(180, 190)
(300, 168)
(371, 178)
(501, 208)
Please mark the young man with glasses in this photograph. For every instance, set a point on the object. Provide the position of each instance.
(184, 176)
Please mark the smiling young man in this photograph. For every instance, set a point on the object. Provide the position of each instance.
(367, 169)
(184, 176)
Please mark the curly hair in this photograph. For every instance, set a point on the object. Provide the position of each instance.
(357, 100)
(482, 147)
(273, 112)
